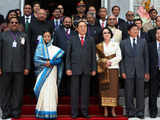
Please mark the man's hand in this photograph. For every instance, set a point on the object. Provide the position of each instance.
(124, 75)
(93, 73)
(147, 76)
(69, 72)
(0, 72)
(26, 71)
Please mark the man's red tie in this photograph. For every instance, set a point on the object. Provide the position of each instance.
(82, 41)
(102, 24)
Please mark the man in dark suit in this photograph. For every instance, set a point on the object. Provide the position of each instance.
(14, 64)
(27, 18)
(154, 56)
(134, 68)
(56, 21)
(152, 33)
(121, 24)
(62, 36)
(141, 33)
(80, 64)
(102, 21)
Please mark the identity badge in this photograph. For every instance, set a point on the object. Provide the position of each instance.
(22, 40)
(14, 45)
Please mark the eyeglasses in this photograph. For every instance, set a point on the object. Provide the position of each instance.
(14, 22)
(60, 8)
(130, 15)
(106, 33)
(111, 19)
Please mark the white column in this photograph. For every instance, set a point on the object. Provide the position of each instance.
(104, 3)
(131, 5)
(22, 6)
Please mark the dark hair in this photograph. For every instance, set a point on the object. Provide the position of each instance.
(152, 10)
(9, 20)
(102, 8)
(35, 2)
(27, 4)
(56, 9)
(110, 31)
(66, 17)
(131, 26)
(48, 32)
(157, 18)
(115, 7)
(10, 11)
(138, 20)
(81, 20)
(158, 28)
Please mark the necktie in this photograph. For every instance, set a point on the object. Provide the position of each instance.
(159, 55)
(102, 24)
(134, 43)
(56, 24)
(67, 31)
(82, 40)
(26, 24)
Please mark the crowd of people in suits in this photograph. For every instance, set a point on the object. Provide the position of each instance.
(78, 55)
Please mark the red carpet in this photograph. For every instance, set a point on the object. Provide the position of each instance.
(64, 108)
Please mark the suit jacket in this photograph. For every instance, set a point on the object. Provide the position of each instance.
(151, 35)
(132, 64)
(22, 20)
(123, 27)
(53, 24)
(81, 59)
(61, 38)
(143, 35)
(153, 58)
(14, 59)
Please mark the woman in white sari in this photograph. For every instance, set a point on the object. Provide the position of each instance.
(47, 60)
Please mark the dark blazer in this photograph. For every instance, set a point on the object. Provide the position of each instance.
(153, 57)
(131, 62)
(14, 59)
(122, 25)
(151, 35)
(61, 38)
(22, 20)
(81, 59)
(143, 35)
(53, 24)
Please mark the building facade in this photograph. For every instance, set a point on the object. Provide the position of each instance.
(125, 5)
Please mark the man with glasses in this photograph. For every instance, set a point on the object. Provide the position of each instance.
(14, 64)
(62, 10)
(80, 65)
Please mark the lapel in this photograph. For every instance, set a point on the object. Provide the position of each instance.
(78, 42)
(129, 46)
(86, 41)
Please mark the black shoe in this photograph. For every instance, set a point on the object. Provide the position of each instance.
(16, 116)
(85, 116)
(6, 116)
(153, 115)
(131, 116)
(141, 116)
(74, 116)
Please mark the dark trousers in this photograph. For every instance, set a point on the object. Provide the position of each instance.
(153, 92)
(134, 87)
(11, 91)
(80, 84)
